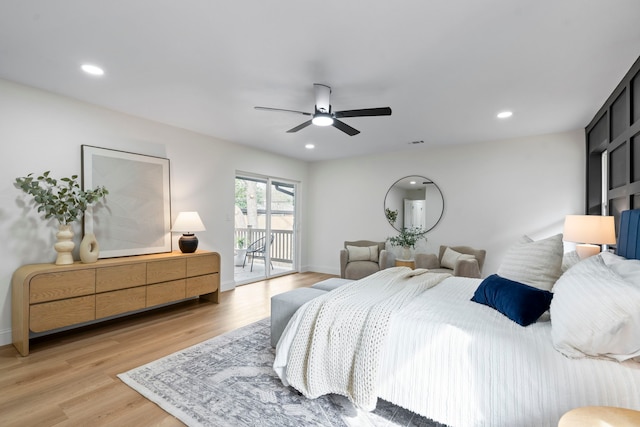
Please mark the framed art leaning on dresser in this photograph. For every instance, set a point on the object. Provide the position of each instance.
(135, 219)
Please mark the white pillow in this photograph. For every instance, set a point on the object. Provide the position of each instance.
(569, 259)
(360, 253)
(628, 269)
(594, 312)
(536, 264)
(450, 257)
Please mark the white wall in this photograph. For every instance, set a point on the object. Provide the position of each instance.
(42, 131)
(494, 192)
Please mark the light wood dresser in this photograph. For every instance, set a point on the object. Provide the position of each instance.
(46, 297)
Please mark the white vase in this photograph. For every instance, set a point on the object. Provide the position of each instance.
(406, 252)
(89, 248)
(64, 245)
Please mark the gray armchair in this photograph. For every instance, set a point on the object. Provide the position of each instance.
(361, 258)
(463, 261)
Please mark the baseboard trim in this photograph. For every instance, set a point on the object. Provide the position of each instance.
(5, 337)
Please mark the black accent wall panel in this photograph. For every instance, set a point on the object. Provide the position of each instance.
(635, 96)
(619, 116)
(616, 129)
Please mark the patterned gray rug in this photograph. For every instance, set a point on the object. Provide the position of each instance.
(229, 381)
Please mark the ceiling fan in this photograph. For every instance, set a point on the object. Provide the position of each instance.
(323, 116)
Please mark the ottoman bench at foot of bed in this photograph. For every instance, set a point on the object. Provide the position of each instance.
(284, 305)
(331, 284)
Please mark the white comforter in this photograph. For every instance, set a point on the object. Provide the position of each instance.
(464, 364)
(339, 337)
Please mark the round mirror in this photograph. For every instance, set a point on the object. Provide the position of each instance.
(414, 202)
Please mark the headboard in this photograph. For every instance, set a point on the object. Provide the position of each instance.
(628, 244)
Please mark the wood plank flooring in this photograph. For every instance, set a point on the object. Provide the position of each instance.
(69, 379)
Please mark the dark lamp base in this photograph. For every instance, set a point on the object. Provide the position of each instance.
(188, 243)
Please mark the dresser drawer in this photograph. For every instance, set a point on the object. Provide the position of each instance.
(205, 264)
(202, 285)
(65, 284)
(121, 277)
(165, 270)
(56, 314)
(122, 301)
(165, 292)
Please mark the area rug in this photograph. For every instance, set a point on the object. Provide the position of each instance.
(229, 381)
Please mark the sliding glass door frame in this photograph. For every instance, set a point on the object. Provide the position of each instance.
(270, 184)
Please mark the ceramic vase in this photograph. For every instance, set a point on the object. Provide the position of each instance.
(89, 248)
(64, 245)
(406, 252)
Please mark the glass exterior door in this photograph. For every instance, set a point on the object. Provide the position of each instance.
(265, 237)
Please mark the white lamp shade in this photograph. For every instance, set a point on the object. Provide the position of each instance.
(188, 222)
(589, 231)
(593, 229)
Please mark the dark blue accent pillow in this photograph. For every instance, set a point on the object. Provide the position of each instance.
(521, 303)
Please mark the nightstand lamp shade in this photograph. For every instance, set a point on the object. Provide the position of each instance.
(187, 223)
(589, 231)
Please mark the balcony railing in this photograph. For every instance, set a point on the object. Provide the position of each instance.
(281, 248)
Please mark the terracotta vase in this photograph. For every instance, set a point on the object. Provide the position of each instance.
(89, 248)
(64, 246)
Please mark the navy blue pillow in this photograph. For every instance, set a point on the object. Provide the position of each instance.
(521, 303)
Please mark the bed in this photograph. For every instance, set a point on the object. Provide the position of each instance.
(465, 363)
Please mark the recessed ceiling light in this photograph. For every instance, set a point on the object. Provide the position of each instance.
(412, 182)
(505, 114)
(309, 146)
(92, 69)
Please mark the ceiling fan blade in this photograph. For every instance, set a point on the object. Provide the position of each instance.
(384, 111)
(281, 109)
(301, 126)
(323, 97)
(345, 127)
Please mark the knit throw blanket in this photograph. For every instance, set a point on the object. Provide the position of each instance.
(340, 337)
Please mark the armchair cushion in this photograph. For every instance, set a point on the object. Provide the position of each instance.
(363, 266)
(451, 257)
(428, 261)
(461, 261)
(467, 268)
(478, 254)
(363, 253)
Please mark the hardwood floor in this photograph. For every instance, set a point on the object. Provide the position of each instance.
(69, 379)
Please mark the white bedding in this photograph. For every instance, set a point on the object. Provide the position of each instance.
(464, 364)
(340, 336)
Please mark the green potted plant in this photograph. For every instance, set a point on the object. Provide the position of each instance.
(407, 239)
(62, 200)
(240, 242)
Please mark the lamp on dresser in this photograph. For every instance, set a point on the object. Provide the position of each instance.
(187, 223)
(589, 232)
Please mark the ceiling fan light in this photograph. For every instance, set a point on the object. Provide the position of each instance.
(322, 119)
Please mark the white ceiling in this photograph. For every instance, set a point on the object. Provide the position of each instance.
(445, 67)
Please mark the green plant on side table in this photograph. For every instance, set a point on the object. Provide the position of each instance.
(407, 239)
(240, 242)
(62, 200)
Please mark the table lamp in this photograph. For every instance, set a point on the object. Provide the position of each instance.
(187, 223)
(589, 232)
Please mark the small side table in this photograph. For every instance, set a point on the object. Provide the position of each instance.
(406, 263)
(592, 416)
